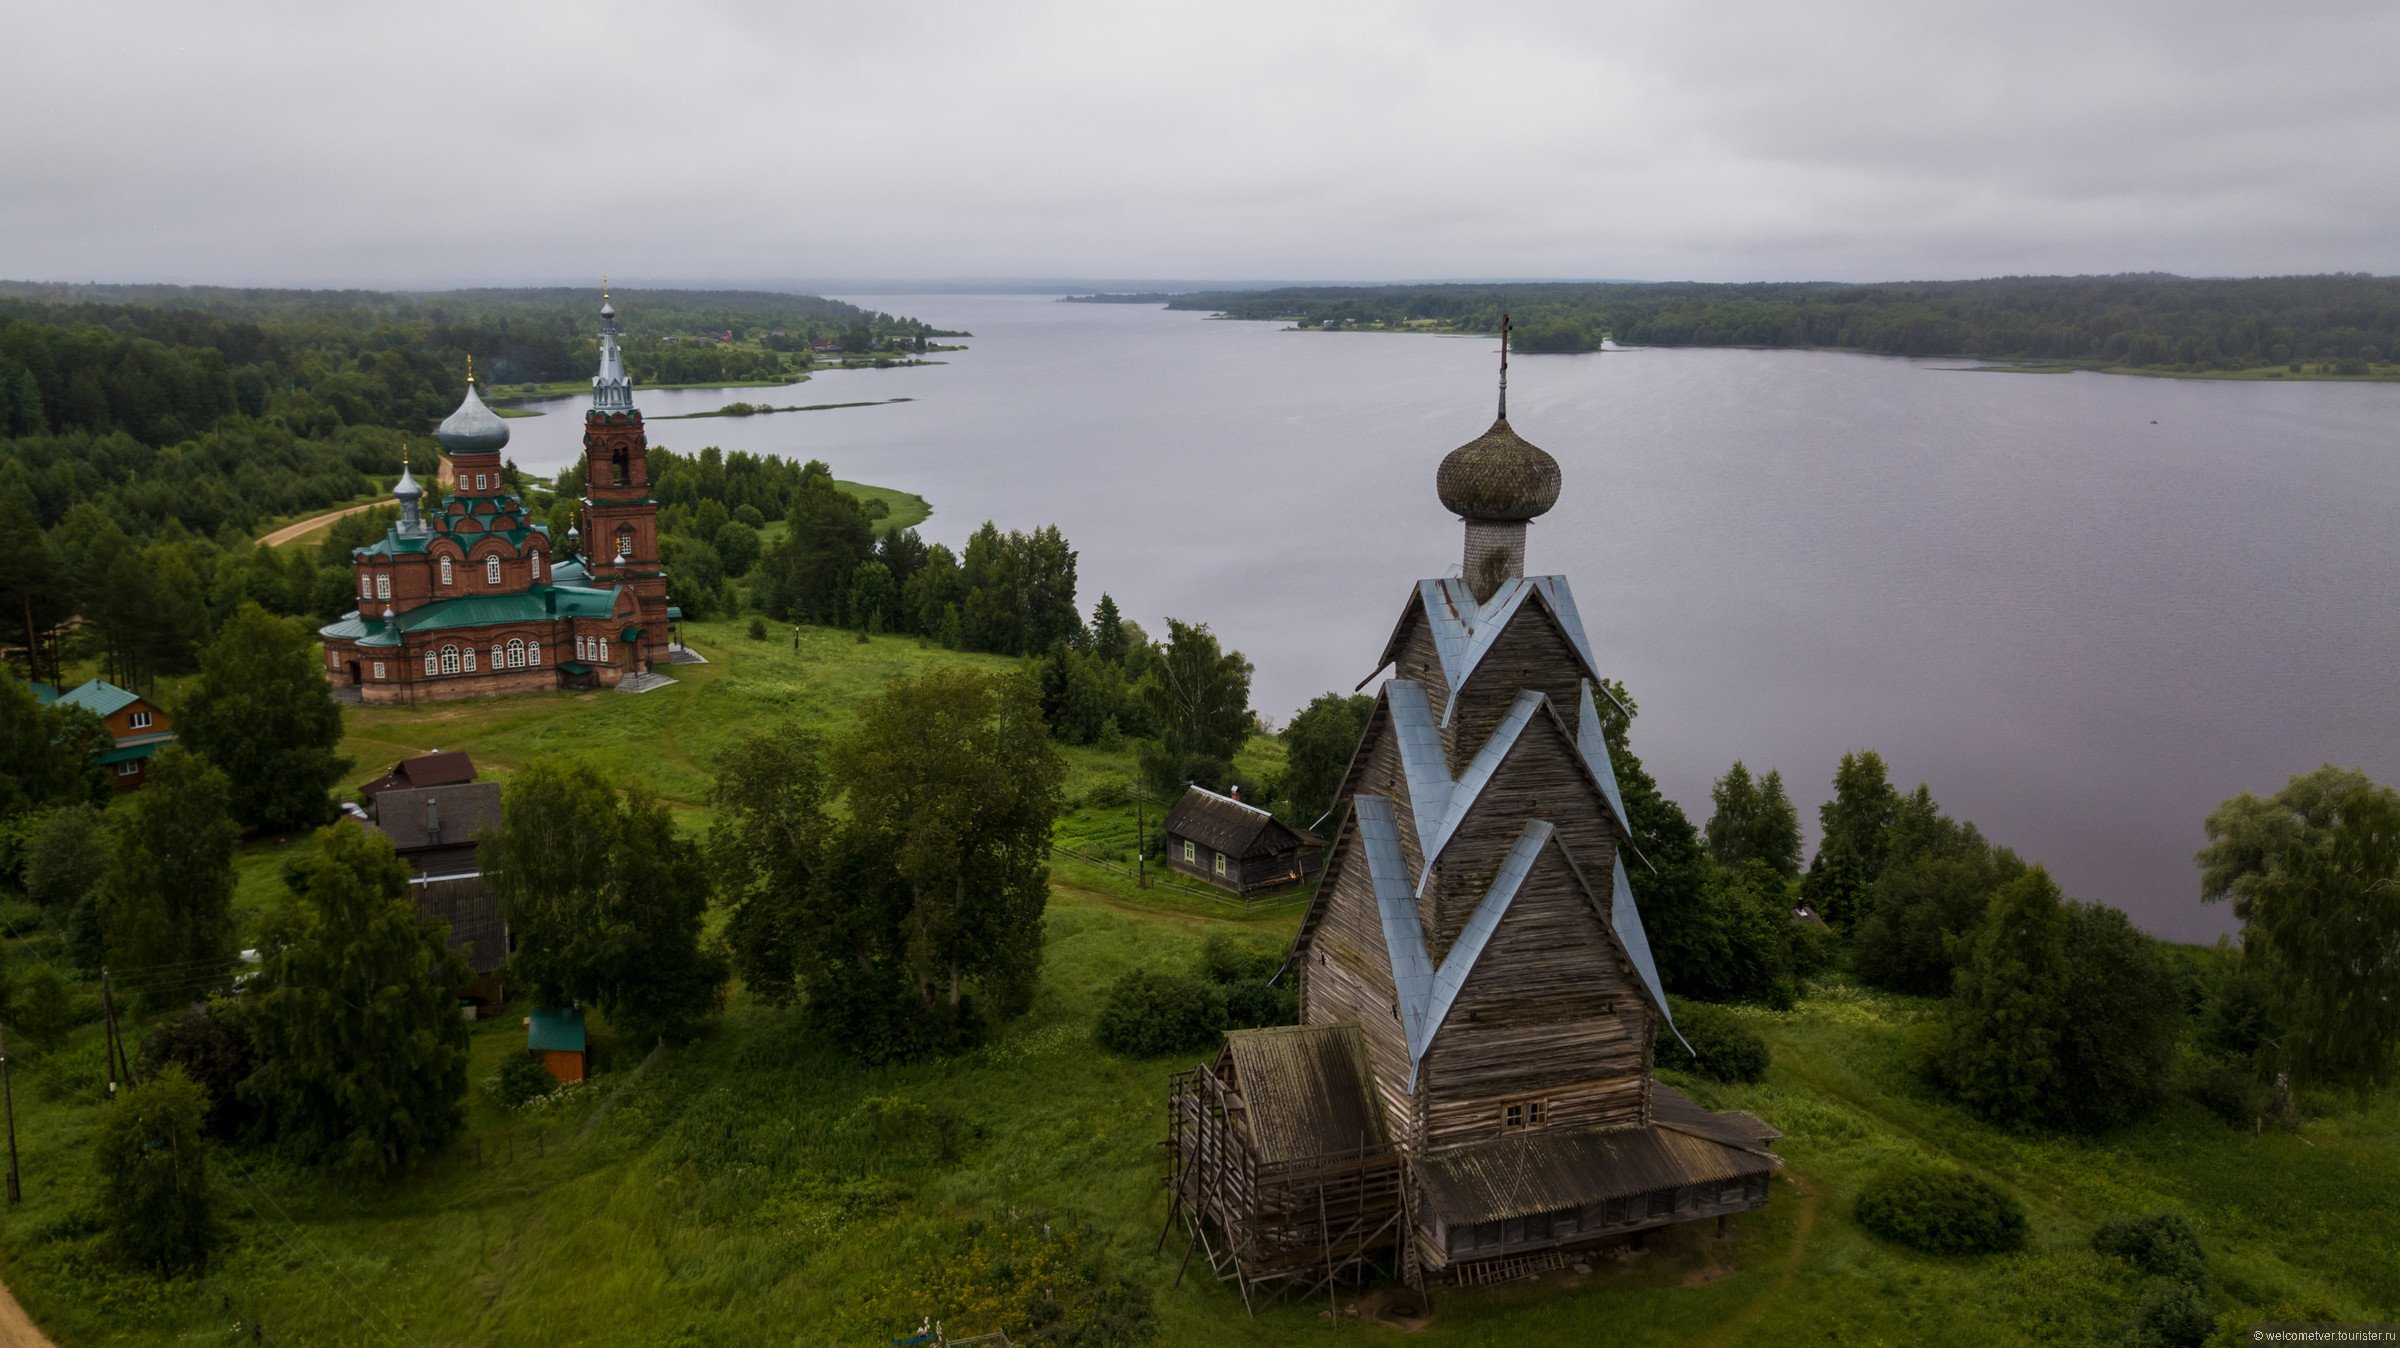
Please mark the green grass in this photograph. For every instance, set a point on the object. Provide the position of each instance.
(710, 1199)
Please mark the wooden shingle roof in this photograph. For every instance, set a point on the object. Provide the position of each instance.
(1545, 1170)
(1307, 1090)
(1223, 824)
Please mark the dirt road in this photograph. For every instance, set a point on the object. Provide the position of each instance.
(291, 531)
(15, 1330)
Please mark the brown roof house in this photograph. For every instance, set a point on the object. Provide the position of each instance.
(434, 830)
(1468, 1096)
(439, 768)
(1236, 846)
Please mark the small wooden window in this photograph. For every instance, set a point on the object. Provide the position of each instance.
(141, 720)
(1519, 1115)
(1220, 863)
(1190, 853)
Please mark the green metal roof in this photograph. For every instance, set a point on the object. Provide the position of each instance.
(573, 667)
(44, 693)
(555, 1031)
(538, 604)
(99, 697)
(631, 634)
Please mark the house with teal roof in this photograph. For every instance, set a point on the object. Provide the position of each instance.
(137, 727)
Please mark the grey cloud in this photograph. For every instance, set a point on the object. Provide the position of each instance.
(432, 144)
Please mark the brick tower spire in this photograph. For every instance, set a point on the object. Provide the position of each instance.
(620, 518)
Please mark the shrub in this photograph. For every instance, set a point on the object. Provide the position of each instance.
(216, 1053)
(758, 629)
(2174, 1315)
(2161, 1244)
(1149, 1012)
(2227, 1087)
(521, 1080)
(1941, 1211)
(1727, 1049)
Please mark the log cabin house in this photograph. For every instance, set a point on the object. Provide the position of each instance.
(434, 830)
(1221, 841)
(1468, 1095)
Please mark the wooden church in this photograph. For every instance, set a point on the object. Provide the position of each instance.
(1468, 1095)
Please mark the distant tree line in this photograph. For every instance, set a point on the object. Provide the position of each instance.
(2132, 320)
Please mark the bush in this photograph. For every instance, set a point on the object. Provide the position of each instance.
(2161, 1244)
(1727, 1049)
(2174, 1315)
(2226, 1087)
(153, 1164)
(758, 629)
(213, 1049)
(1941, 1211)
(1149, 1013)
(521, 1080)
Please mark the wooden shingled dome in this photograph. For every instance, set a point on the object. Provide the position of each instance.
(1498, 475)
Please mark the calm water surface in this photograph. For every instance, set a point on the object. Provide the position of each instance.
(2083, 608)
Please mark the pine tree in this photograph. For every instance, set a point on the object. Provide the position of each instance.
(166, 901)
(1108, 632)
(1855, 826)
(362, 1055)
(2003, 1034)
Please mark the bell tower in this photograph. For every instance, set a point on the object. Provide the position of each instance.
(620, 517)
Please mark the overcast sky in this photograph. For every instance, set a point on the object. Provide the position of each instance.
(421, 143)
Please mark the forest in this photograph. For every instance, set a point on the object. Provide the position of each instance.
(2349, 322)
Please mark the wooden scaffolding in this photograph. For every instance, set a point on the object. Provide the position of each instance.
(1293, 1226)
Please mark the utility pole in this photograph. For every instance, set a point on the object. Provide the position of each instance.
(1141, 842)
(8, 1101)
(118, 1066)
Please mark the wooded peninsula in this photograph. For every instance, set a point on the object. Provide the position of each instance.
(2345, 325)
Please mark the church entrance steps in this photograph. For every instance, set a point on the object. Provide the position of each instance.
(642, 683)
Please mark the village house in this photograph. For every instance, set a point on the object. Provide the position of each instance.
(1468, 1095)
(470, 597)
(137, 727)
(434, 828)
(1221, 841)
(439, 768)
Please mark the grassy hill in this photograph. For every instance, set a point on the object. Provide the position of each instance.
(759, 1187)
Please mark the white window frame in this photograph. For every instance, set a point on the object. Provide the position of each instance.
(432, 665)
(141, 720)
(366, 586)
(1190, 852)
(129, 767)
(604, 650)
(499, 656)
(579, 648)
(383, 585)
(491, 570)
(1220, 863)
(449, 659)
(468, 656)
(445, 571)
(479, 482)
(533, 654)
(379, 669)
(516, 652)
(534, 561)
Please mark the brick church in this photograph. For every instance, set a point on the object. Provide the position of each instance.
(470, 597)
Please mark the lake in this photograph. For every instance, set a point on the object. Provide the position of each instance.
(2084, 608)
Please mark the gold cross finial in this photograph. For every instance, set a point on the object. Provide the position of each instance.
(1504, 327)
(470, 367)
(604, 285)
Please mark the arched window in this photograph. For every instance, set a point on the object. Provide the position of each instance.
(431, 668)
(479, 482)
(491, 570)
(516, 652)
(383, 585)
(534, 560)
(533, 652)
(445, 571)
(604, 650)
(499, 656)
(366, 586)
(624, 542)
(579, 648)
(449, 659)
(469, 657)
